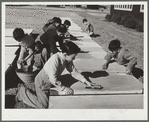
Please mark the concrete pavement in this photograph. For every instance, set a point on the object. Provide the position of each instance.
(89, 62)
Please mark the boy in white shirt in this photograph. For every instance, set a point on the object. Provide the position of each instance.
(49, 76)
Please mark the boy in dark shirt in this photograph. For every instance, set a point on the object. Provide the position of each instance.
(51, 36)
(121, 55)
(52, 24)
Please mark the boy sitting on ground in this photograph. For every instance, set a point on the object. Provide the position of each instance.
(27, 44)
(121, 55)
(89, 28)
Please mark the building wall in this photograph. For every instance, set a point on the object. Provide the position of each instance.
(135, 10)
(96, 7)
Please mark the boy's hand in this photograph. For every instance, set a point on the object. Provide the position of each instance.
(88, 83)
(128, 71)
(68, 91)
(105, 66)
(20, 61)
(19, 66)
(91, 85)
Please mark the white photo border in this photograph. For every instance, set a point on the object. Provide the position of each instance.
(76, 114)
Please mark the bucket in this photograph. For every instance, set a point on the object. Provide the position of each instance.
(27, 77)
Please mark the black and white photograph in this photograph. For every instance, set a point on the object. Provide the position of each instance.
(74, 60)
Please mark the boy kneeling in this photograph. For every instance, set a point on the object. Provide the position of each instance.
(121, 55)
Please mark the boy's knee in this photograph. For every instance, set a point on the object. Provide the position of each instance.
(31, 51)
(44, 51)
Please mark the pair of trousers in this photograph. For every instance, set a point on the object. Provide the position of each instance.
(39, 99)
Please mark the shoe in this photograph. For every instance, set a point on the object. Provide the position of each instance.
(11, 91)
(20, 85)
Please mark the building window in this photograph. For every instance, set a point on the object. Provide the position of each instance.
(128, 6)
(123, 7)
(141, 8)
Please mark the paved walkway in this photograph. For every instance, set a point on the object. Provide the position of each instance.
(89, 62)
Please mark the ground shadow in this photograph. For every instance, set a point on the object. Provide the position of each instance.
(94, 74)
(95, 35)
(137, 72)
(67, 80)
(84, 51)
(74, 38)
(10, 101)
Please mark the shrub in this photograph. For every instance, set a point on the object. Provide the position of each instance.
(139, 26)
(108, 17)
(116, 18)
(124, 18)
(130, 23)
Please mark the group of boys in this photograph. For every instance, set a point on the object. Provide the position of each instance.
(54, 31)
(121, 55)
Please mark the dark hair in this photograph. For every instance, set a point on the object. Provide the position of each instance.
(67, 22)
(114, 45)
(18, 33)
(84, 20)
(62, 28)
(70, 48)
(39, 46)
(54, 18)
(57, 20)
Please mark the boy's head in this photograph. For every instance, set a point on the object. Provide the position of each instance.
(85, 21)
(61, 30)
(54, 18)
(57, 21)
(67, 23)
(18, 34)
(38, 46)
(71, 50)
(114, 45)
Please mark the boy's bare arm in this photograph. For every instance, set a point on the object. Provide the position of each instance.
(22, 54)
(108, 58)
(86, 29)
(30, 51)
(21, 57)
